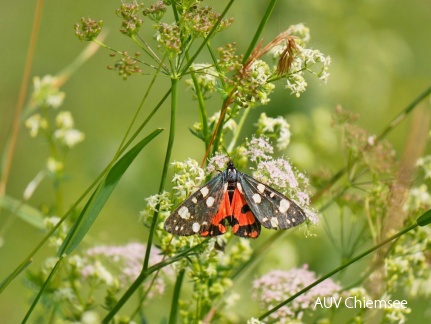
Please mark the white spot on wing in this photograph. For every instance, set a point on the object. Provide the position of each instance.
(284, 205)
(238, 185)
(210, 201)
(261, 188)
(194, 200)
(204, 191)
(272, 195)
(274, 222)
(184, 212)
(257, 198)
(196, 227)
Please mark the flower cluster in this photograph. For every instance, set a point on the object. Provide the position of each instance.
(252, 86)
(120, 265)
(276, 128)
(127, 65)
(156, 11)
(46, 93)
(89, 29)
(217, 162)
(277, 286)
(199, 21)
(156, 203)
(65, 134)
(168, 36)
(188, 176)
(305, 60)
(131, 22)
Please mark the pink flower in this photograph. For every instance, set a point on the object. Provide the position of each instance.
(121, 262)
(259, 148)
(277, 286)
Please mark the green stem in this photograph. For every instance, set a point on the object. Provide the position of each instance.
(174, 103)
(202, 109)
(238, 131)
(331, 273)
(259, 30)
(41, 291)
(176, 297)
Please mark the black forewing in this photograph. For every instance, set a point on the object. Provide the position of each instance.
(194, 215)
(272, 209)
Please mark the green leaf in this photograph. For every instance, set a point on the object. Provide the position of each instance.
(24, 211)
(100, 196)
(424, 219)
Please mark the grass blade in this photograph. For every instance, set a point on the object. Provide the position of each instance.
(100, 196)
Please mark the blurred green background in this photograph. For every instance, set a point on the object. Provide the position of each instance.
(380, 54)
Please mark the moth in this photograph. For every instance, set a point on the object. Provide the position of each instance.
(234, 199)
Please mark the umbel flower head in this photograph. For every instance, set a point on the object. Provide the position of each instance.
(88, 29)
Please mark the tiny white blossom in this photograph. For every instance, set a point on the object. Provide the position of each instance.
(217, 162)
(207, 77)
(418, 197)
(371, 140)
(425, 164)
(65, 294)
(324, 76)
(34, 123)
(277, 127)
(64, 120)
(97, 271)
(50, 222)
(254, 321)
(188, 175)
(46, 92)
(53, 165)
(90, 317)
(259, 148)
(296, 83)
(69, 137)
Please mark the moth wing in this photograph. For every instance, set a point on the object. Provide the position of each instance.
(195, 214)
(272, 209)
(243, 221)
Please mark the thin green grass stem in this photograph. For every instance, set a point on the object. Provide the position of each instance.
(258, 33)
(176, 297)
(174, 103)
(41, 291)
